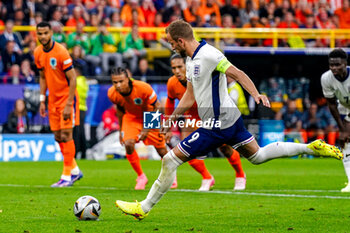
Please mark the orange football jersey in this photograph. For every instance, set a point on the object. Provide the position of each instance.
(141, 99)
(54, 63)
(176, 90)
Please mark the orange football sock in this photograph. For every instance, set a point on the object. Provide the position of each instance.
(235, 162)
(200, 167)
(134, 160)
(68, 152)
(74, 163)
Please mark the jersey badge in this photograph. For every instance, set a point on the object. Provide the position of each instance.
(138, 101)
(196, 70)
(53, 62)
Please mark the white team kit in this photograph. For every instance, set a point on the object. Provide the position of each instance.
(211, 95)
(341, 90)
(331, 88)
(210, 86)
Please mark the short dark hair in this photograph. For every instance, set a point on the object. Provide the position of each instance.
(177, 56)
(119, 71)
(180, 29)
(43, 24)
(338, 53)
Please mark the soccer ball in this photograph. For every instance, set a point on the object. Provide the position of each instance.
(87, 208)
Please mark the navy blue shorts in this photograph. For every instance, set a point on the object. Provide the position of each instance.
(201, 141)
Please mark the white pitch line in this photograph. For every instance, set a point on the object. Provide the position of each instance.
(264, 194)
(212, 191)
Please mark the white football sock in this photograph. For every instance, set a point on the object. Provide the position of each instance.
(165, 179)
(67, 178)
(279, 150)
(75, 171)
(346, 160)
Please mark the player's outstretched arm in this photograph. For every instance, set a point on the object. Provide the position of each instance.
(70, 74)
(43, 88)
(238, 75)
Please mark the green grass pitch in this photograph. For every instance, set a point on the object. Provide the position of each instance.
(286, 195)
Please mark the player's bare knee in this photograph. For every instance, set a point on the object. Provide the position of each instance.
(57, 136)
(65, 137)
(226, 150)
(129, 147)
(162, 151)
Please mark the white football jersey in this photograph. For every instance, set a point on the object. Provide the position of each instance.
(210, 86)
(331, 88)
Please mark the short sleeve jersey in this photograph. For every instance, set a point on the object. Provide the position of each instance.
(176, 90)
(331, 87)
(54, 63)
(210, 86)
(140, 99)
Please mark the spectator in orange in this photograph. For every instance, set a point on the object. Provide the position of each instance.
(149, 11)
(343, 15)
(158, 22)
(302, 10)
(126, 13)
(281, 11)
(289, 21)
(76, 17)
(253, 23)
(192, 11)
(323, 21)
(209, 8)
(135, 19)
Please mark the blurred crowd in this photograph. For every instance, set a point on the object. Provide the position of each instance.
(98, 51)
(304, 120)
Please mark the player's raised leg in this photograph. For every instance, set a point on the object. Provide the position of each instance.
(258, 155)
(234, 159)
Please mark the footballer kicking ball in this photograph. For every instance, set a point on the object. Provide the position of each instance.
(87, 208)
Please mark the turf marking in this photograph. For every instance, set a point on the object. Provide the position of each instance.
(248, 193)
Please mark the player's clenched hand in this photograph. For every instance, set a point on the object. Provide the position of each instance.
(42, 109)
(67, 112)
(168, 136)
(262, 98)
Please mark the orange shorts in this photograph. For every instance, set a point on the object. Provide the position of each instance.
(131, 129)
(56, 117)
